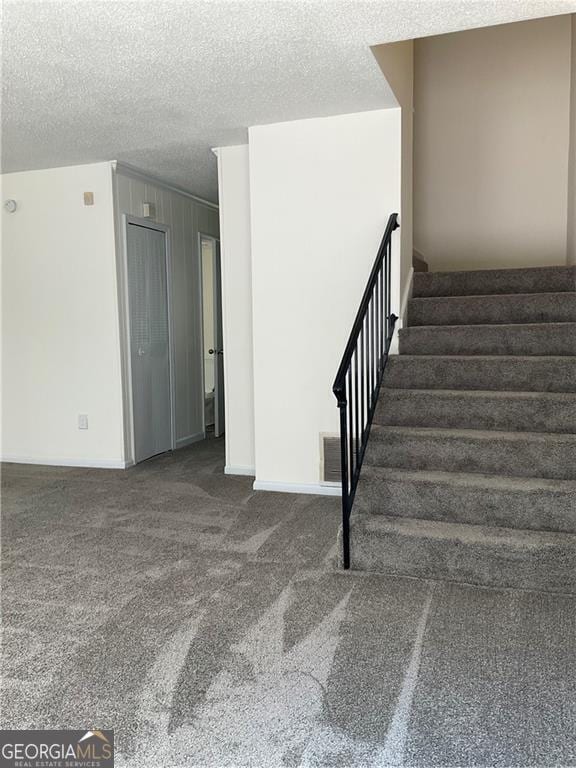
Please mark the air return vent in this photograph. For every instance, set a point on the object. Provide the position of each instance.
(330, 470)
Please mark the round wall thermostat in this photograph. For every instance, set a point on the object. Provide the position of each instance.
(10, 206)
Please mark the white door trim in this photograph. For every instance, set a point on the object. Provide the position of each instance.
(216, 241)
(126, 343)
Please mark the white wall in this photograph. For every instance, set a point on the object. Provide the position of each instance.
(572, 153)
(491, 128)
(236, 260)
(60, 351)
(186, 219)
(321, 192)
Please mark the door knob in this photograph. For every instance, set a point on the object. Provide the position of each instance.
(141, 351)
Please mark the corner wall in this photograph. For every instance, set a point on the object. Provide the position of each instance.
(491, 128)
(321, 193)
(396, 60)
(60, 354)
(236, 260)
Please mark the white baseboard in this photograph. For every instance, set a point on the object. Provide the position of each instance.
(311, 488)
(182, 442)
(86, 463)
(232, 470)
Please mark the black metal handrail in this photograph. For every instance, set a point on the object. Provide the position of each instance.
(360, 374)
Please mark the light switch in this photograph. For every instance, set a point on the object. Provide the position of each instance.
(88, 198)
(82, 421)
(148, 210)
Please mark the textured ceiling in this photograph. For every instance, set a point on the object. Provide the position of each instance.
(156, 83)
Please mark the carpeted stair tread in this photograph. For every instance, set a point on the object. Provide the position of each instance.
(495, 281)
(520, 373)
(478, 409)
(507, 309)
(489, 556)
(470, 469)
(506, 339)
(518, 454)
(475, 499)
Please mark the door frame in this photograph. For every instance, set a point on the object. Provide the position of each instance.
(129, 399)
(216, 241)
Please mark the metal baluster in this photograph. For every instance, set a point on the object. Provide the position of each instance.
(345, 489)
(352, 453)
(352, 407)
(366, 388)
(361, 393)
(356, 411)
(370, 308)
(375, 338)
(380, 326)
(380, 319)
(389, 308)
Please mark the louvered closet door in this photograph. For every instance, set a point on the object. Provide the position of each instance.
(149, 341)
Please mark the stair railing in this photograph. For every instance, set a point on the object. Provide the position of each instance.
(360, 374)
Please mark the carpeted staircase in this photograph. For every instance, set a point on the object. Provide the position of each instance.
(470, 471)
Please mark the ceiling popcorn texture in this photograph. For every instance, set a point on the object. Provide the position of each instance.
(157, 83)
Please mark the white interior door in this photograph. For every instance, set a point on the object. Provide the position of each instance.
(149, 341)
(219, 347)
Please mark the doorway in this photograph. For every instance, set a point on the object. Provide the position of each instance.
(212, 331)
(149, 338)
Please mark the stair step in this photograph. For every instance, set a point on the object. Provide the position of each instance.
(473, 554)
(495, 281)
(519, 454)
(518, 339)
(506, 502)
(509, 308)
(466, 409)
(524, 374)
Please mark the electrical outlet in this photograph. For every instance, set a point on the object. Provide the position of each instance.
(82, 421)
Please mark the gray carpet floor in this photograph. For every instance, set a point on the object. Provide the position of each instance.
(205, 623)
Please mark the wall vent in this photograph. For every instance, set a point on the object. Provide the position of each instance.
(330, 469)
